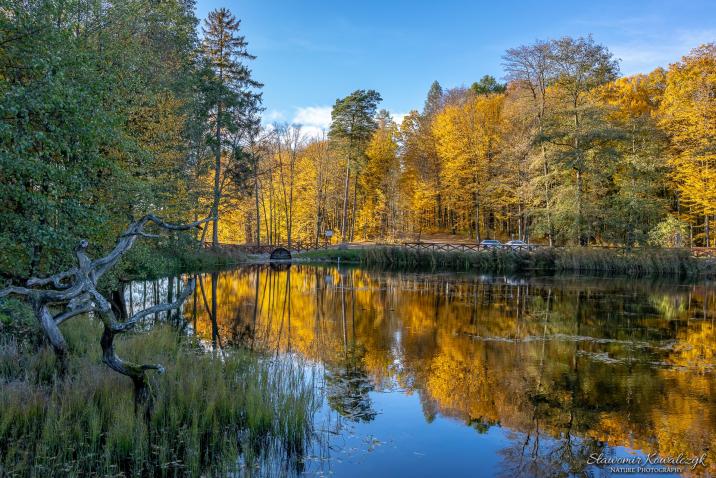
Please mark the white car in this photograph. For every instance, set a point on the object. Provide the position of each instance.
(490, 244)
(519, 245)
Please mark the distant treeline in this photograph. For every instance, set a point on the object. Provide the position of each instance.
(566, 152)
(114, 109)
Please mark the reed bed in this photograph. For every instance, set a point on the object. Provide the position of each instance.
(212, 415)
(637, 262)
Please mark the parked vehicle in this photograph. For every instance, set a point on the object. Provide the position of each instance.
(519, 245)
(490, 244)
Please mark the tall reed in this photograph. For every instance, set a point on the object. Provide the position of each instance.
(637, 262)
(211, 413)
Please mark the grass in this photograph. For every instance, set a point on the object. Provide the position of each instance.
(639, 262)
(210, 413)
(149, 260)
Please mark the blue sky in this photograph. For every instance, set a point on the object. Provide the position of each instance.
(311, 52)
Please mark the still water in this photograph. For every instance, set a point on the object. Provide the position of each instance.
(465, 375)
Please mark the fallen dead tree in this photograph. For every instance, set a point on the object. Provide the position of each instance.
(74, 292)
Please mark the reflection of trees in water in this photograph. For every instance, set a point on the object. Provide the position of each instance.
(529, 456)
(566, 363)
(128, 298)
(348, 386)
(347, 383)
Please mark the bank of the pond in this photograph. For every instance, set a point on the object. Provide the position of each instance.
(638, 262)
(210, 413)
(147, 261)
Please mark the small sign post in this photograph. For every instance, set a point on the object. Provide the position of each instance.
(328, 234)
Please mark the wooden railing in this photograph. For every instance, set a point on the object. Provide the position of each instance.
(437, 247)
(703, 252)
(465, 247)
(269, 248)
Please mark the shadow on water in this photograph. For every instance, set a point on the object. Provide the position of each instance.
(529, 376)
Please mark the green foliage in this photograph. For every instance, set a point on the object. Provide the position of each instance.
(487, 85)
(95, 105)
(434, 100)
(167, 257)
(579, 134)
(17, 318)
(669, 233)
(353, 117)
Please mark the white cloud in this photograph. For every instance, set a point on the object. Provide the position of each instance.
(398, 117)
(314, 120)
(313, 132)
(274, 115)
(645, 54)
(318, 116)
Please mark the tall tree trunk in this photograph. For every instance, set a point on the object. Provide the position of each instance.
(256, 199)
(707, 228)
(290, 193)
(519, 222)
(355, 200)
(580, 233)
(217, 178)
(318, 210)
(477, 217)
(345, 199)
(545, 172)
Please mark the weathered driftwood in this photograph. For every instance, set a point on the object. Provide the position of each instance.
(76, 290)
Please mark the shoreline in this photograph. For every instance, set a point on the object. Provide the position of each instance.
(640, 262)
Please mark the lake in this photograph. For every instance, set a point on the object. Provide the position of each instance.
(426, 374)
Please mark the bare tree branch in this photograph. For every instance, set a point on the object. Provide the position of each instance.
(124, 326)
(80, 296)
(55, 280)
(73, 312)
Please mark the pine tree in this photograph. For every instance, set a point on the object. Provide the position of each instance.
(352, 125)
(487, 85)
(232, 95)
(434, 101)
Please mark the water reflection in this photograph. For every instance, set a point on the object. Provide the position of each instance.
(548, 370)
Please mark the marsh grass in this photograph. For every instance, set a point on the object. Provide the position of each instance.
(210, 413)
(171, 257)
(637, 262)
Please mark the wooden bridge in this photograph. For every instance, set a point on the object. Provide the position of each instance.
(295, 247)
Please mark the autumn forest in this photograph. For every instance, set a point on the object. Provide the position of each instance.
(147, 154)
(141, 108)
(564, 152)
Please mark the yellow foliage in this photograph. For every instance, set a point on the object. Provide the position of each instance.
(688, 114)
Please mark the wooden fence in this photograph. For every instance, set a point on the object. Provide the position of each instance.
(460, 247)
(269, 248)
(703, 252)
(434, 247)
